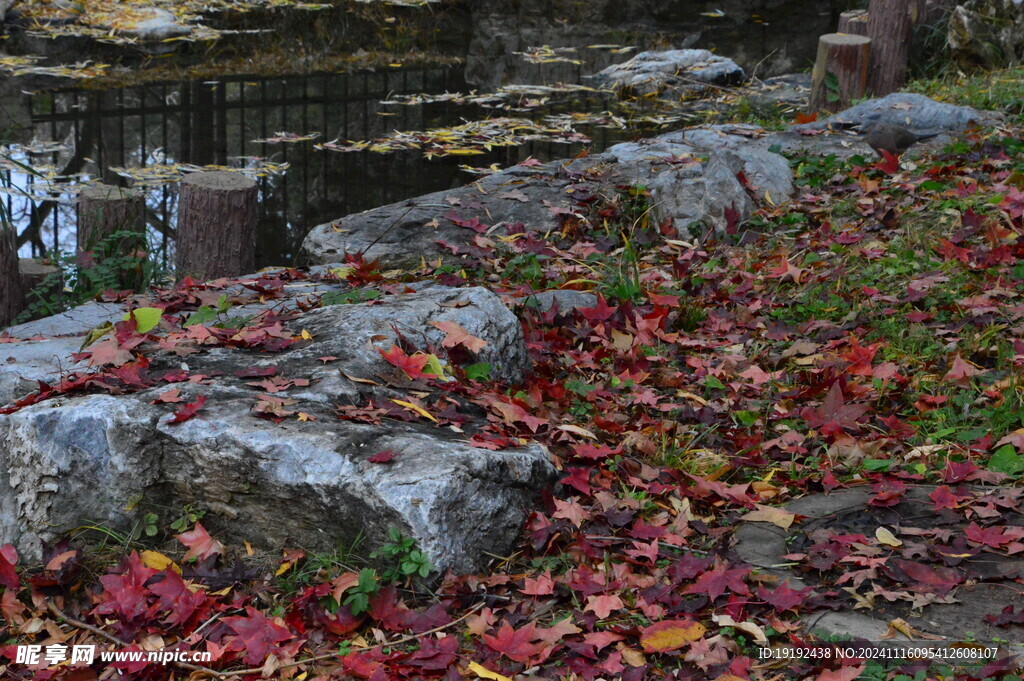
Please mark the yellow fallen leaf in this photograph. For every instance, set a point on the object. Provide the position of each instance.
(746, 627)
(886, 537)
(578, 431)
(419, 410)
(306, 335)
(633, 657)
(669, 635)
(483, 672)
(158, 561)
(768, 514)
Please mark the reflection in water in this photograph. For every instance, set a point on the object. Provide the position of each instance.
(136, 136)
(91, 135)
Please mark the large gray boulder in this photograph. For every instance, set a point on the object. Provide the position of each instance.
(670, 73)
(693, 175)
(987, 33)
(107, 459)
(701, 191)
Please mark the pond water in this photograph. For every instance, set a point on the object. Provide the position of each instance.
(147, 135)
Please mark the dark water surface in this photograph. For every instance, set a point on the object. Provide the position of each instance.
(77, 134)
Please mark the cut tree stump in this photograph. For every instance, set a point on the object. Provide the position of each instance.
(217, 216)
(890, 27)
(33, 274)
(10, 277)
(104, 209)
(847, 57)
(854, 22)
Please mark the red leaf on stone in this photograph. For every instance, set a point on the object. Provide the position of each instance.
(938, 580)
(188, 411)
(386, 456)
(411, 365)
(456, 335)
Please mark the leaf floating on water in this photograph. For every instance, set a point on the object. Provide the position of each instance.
(160, 174)
(29, 66)
(474, 137)
(545, 54)
(287, 137)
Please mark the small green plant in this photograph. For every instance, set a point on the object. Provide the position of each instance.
(150, 526)
(79, 278)
(404, 559)
(189, 516)
(358, 598)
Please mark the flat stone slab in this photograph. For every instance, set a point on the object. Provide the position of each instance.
(936, 580)
(837, 135)
(110, 458)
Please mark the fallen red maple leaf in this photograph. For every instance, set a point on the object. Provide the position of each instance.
(199, 542)
(412, 365)
(515, 644)
(256, 635)
(188, 411)
(8, 559)
(720, 579)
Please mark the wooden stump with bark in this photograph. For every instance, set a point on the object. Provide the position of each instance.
(890, 27)
(845, 56)
(217, 216)
(104, 209)
(854, 22)
(10, 277)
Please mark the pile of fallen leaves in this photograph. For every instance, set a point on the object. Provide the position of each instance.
(867, 333)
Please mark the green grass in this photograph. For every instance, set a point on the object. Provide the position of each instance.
(998, 90)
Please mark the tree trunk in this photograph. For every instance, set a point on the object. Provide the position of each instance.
(854, 22)
(846, 56)
(217, 216)
(890, 26)
(33, 274)
(10, 277)
(104, 209)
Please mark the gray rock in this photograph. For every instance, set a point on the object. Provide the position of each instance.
(298, 484)
(402, 234)
(70, 461)
(837, 134)
(24, 363)
(691, 193)
(671, 73)
(566, 300)
(75, 322)
(310, 484)
(908, 109)
(987, 33)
